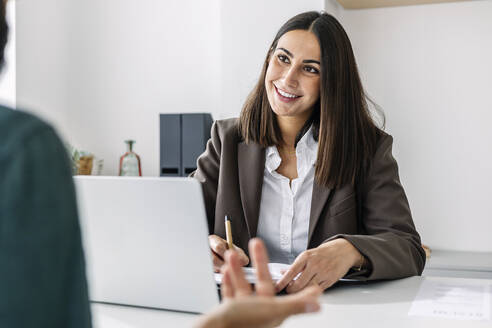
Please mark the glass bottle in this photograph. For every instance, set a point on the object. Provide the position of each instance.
(130, 162)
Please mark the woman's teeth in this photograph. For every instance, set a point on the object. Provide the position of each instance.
(285, 94)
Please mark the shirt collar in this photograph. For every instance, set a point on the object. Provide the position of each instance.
(273, 158)
(306, 150)
(307, 147)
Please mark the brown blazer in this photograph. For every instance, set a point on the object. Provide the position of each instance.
(231, 173)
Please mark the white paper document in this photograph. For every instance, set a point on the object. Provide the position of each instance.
(462, 301)
(276, 271)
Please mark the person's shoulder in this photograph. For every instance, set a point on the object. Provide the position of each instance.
(377, 139)
(18, 127)
(227, 124)
(227, 128)
(383, 137)
(383, 150)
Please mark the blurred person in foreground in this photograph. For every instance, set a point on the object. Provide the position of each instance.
(42, 269)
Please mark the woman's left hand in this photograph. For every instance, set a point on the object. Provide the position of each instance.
(322, 266)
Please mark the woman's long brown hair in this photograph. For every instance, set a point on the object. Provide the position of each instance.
(342, 124)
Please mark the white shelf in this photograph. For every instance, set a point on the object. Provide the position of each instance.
(459, 264)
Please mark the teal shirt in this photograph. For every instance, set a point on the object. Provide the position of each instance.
(42, 268)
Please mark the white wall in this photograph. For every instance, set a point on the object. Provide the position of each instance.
(114, 65)
(430, 68)
(41, 59)
(7, 74)
(333, 7)
(131, 61)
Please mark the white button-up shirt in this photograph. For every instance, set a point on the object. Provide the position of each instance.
(285, 208)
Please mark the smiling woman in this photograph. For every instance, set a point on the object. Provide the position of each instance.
(292, 78)
(306, 169)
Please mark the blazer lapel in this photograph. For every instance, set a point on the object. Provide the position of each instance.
(318, 202)
(251, 164)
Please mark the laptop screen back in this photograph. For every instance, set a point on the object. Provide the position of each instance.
(146, 242)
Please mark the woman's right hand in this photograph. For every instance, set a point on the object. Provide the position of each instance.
(218, 246)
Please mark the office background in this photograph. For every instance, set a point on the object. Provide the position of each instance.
(102, 71)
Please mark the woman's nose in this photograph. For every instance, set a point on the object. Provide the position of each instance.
(290, 77)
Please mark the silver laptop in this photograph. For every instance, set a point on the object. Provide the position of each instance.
(145, 242)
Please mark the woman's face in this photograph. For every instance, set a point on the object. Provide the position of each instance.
(293, 75)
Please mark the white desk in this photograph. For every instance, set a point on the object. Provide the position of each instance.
(373, 304)
(114, 316)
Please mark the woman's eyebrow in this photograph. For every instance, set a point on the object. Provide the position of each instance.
(306, 61)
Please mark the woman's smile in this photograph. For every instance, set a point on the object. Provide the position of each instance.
(285, 96)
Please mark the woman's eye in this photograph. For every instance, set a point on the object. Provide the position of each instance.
(311, 69)
(283, 58)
